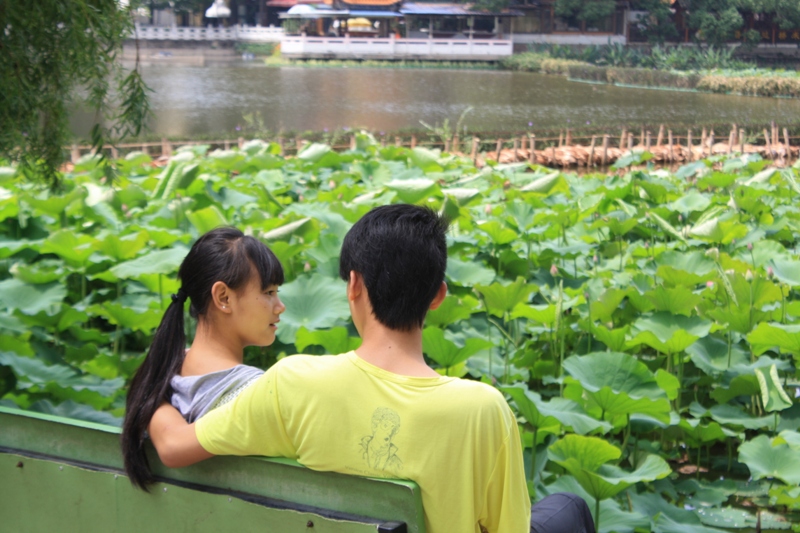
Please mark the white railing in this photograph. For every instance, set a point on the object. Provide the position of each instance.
(569, 38)
(233, 33)
(392, 48)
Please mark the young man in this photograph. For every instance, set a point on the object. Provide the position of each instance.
(380, 411)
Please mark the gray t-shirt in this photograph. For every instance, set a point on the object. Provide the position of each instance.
(194, 396)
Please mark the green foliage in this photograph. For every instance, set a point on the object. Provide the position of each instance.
(52, 51)
(639, 323)
(589, 11)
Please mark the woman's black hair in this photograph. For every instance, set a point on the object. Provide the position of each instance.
(222, 254)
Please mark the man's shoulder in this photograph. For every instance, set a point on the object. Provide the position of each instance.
(475, 393)
(310, 366)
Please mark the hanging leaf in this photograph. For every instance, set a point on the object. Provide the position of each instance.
(773, 397)
(766, 459)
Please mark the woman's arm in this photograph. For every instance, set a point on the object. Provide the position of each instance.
(175, 439)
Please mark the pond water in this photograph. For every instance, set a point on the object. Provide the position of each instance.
(190, 100)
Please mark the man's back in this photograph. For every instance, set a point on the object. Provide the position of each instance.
(456, 438)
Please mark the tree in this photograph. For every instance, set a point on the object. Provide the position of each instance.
(715, 21)
(53, 52)
(591, 12)
(658, 24)
(785, 13)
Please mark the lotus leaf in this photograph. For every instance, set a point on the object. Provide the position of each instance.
(500, 299)
(498, 232)
(773, 397)
(157, 262)
(451, 311)
(719, 231)
(546, 185)
(136, 318)
(31, 299)
(315, 302)
(668, 333)
(74, 248)
(767, 336)
(768, 459)
(334, 340)
(710, 354)
(666, 518)
(71, 409)
(412, 191)
(787, 271)
(445, 352)
(677, 268)
(468, 273)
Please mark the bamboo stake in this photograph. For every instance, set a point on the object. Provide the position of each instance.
(413, 141)
(456, 144)
(735, 131)
(75, 153)
(497, 150)
(281, 141)
(590, 162)
(769, 144)
(569, 137)
(711, 143)
(446, 148)
(166, 148)
(226, 144)
(605, 149)
(731, 139)
(703, 141)
(630, 141)
(786, 141)
(641, 138)
(622, 138)
(741, 140)
(240, 142)
(383, 143)
(647, 145)
(774, 135)
(523, 143)
(531, 152)
(560, 139)
(516, 149)
(689, 145)
(114, 153)
(398, 141)
(670, 153)
(553, 154)
(660, 139)
(474, 154)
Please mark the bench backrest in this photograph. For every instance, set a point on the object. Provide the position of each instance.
(66, 475)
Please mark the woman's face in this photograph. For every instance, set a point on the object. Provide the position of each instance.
(257, 313)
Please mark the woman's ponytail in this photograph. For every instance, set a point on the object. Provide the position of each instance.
(150, 387)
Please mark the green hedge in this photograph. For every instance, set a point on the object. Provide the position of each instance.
(752, 86)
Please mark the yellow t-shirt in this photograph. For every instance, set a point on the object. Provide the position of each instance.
(457, 439)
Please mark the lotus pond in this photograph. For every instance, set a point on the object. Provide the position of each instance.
(644, 325)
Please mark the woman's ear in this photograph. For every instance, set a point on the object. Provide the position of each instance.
(222, 296)
(440, 296)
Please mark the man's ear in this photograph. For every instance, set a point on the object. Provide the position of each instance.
(440, 295)
(222, 296)
(355, 285)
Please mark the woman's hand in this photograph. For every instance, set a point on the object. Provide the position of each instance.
(175, 439)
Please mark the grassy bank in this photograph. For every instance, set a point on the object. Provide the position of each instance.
(707, 70)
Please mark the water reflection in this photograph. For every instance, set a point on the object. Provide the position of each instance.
(192, 100)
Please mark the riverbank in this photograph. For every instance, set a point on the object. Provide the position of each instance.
(701, 70)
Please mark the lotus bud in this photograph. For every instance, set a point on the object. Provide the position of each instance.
(710, 284)
(586, 296)
(595, 258)
(770, 272)
(300, 198)
(124, 207)
(506, 184)
(307, 267)
(332, 184)
(713, 253)
(340, 196)
(488, 209)
(554, 270)
(748, 275)
(750, 246)
(680, 218)
(646, 245)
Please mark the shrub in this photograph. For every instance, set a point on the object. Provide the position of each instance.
(588, 73)
(752, 86)
(560, 66)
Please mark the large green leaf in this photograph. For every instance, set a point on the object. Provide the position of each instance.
(413, 190)
(445, 352)
(773, 396)
(31, 299)
(314, 302)
(767, 459)
(334, 340)
(668, 333)
(452, 310)
(207, 219)
(157, 262)
(767, 336)
(136, 318)
(585, 458)
(667, 518)
(74, 248)
(500, 298)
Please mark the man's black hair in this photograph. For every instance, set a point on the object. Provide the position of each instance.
(401, 252)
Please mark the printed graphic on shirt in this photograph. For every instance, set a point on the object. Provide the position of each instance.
(377, 449)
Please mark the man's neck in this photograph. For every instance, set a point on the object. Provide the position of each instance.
(398, 352)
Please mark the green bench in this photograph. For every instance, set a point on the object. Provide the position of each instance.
(59, 474)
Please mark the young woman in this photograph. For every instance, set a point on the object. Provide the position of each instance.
(231, 281)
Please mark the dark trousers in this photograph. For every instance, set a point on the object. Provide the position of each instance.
(561, 513)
